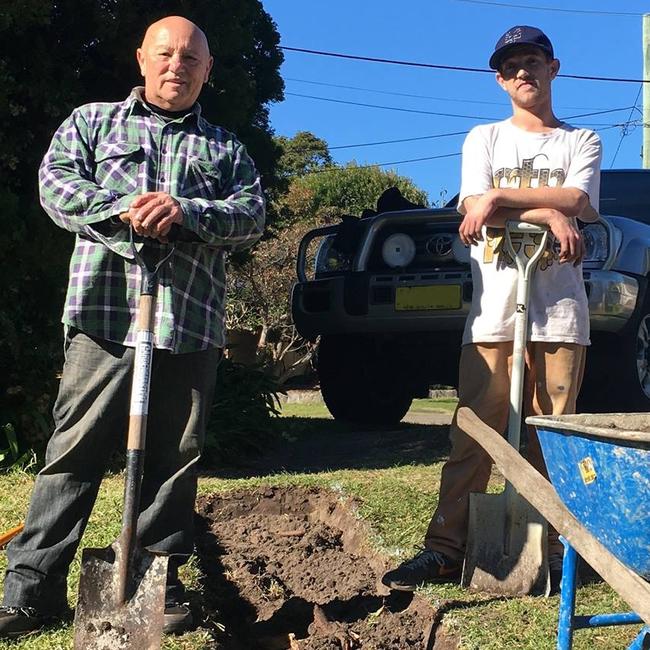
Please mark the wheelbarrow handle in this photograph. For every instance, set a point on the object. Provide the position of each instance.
(542, 496)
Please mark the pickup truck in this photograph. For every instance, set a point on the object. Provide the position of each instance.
(388, 295)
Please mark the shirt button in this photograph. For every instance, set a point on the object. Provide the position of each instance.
(162, 179)
(164, 150)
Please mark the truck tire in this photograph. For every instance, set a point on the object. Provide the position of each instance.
(617, 375)
(361, 381)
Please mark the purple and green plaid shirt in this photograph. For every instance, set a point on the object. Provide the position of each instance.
(100, 159)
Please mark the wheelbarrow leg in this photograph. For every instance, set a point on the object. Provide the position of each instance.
(567, 597)
(642, 641)
(568, 621)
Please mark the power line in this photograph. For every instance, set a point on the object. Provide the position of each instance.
(625, 130)
(421, 112)
(569, 11)
(422, 137)
(391, 108)
(389, 92)
(416, 96)
(412, 160)
(336, 168)
(436, 66)
(597, 127)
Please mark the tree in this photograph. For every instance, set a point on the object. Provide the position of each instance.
(58, 55)
(260, 288)
(343, 190)
(302, 154)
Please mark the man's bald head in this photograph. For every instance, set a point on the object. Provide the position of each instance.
(175, 62)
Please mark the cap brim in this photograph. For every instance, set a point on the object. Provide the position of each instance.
(498, 55)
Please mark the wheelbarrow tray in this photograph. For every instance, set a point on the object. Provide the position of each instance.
(599, 464)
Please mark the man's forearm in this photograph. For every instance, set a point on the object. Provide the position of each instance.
(536, 216)
(570, 200)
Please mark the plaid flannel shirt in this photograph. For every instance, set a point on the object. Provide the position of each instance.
(100, 159)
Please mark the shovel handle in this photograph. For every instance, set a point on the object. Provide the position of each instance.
(526, 259)
(141, 373)
(144, 343)
(542, 496)
(5, 538)
(139, 408)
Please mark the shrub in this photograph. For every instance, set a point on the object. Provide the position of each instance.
(242, 420)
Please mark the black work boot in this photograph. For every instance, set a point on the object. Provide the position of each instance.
(19, 621)
(178, 615)
(426, 567)
(178, 618)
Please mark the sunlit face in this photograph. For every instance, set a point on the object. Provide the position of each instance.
(175, 62)
(526, 76)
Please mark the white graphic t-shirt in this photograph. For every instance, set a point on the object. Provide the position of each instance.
(503, 155)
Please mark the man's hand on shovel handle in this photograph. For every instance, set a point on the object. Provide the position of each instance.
(152, 215)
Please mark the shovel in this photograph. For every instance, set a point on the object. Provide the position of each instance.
(121, 601)
(506, 549)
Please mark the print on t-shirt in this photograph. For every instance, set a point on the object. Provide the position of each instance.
(500, 155)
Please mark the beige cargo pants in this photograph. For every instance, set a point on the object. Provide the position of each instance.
(554, 373)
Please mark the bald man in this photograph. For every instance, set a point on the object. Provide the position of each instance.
(153, 163)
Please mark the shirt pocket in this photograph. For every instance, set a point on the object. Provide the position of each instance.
(118, 166)
(205, 180)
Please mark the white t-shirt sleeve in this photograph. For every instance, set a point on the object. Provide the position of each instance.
(584, 169)
(476, 166)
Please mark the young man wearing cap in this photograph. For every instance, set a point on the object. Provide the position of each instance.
(535, 168)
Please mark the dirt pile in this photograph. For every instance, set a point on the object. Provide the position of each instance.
(290, 568)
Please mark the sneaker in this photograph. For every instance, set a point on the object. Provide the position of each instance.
(426, 566)
(178, 617)
(19, 621)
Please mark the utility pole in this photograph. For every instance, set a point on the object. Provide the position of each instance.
(646, 91)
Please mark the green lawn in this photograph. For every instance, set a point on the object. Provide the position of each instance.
(397, 502)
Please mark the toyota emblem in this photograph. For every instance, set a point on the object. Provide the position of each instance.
(440, 245)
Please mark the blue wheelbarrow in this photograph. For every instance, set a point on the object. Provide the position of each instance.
(599, 502)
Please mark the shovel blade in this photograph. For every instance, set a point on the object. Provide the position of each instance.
(101, 621)
(517, 566)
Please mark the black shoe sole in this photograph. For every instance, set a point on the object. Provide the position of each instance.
(177, 626)
(21, 634)
(397, 587)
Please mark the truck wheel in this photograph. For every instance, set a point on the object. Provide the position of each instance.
(617, 377)
(361, 381)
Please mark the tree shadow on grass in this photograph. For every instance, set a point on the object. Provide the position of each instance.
(312, 445)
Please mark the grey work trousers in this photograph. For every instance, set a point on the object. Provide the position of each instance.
(91, 417)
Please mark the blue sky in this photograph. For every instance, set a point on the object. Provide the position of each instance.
(598, 41)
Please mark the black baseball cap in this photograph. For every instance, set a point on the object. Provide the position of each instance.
(519, 35)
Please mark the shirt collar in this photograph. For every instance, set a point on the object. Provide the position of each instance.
(135, 102)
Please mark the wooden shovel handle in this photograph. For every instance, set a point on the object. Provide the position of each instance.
(542, 496)
(5, 538)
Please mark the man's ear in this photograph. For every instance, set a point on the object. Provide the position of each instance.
(500, 80)
(141, 60)
(208, 69)
(555, 68)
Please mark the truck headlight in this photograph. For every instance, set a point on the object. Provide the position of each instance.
(329, 259)
(596, 240)
(398, 250)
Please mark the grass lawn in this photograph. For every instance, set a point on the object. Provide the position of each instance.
(397, 501)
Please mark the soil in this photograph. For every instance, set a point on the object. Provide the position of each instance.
(291, 568)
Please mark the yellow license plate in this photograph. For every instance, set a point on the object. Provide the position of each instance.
(438, 296)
